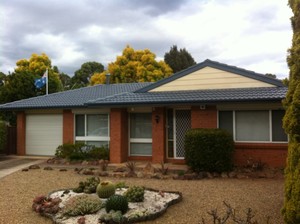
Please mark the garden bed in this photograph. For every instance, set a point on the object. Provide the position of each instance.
(155, 204)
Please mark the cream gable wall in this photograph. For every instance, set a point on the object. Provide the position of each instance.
(211, 78)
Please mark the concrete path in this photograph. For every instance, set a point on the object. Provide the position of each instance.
(10, 165)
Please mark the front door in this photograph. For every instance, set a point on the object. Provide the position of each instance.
(179, 122)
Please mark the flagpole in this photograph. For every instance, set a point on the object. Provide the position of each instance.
(47, 82)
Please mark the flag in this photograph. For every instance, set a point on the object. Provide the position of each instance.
(39, 83)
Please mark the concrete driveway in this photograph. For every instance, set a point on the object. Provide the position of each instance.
(11, 164)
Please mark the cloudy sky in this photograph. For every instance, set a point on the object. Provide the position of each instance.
(254, 34)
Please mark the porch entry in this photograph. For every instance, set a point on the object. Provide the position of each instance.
(178, 123)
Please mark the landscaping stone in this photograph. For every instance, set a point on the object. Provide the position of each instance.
(120, 169)
(48, 168)
(224, 175)
(63, 170)
(34, 167)
(25, 170)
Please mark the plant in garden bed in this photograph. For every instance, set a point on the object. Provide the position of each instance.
(106, 189)
(45, 205)
(131, 167)
(135, 194)
(82, 205)
(89, 186)
(163, 168)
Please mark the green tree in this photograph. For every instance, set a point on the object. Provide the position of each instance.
(36, 65)
(82, 76)
(271, 75)
(178, 59)
(291, 122)
(134, 66)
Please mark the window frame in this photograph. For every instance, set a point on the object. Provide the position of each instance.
(251, 141)
(138, 140)
(87, 138)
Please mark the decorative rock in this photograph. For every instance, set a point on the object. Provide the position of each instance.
(25, 170)
(148, 168)
(224, 175)
(216, 175)
(48, 168)
(202, 175)
(87, 172)
(209, 175)
(232, 174)
(34, 167)
(63, 170)
(120, 169)
(140, 174)
(85, 163)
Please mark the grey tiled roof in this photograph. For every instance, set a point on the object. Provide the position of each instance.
(72, 98)
(216, 65)
(194, 96)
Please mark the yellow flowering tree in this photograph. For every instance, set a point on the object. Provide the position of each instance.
(134, 66)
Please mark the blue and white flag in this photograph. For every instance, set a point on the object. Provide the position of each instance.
(39, 83)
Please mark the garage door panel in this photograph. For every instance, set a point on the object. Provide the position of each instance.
(43, 134)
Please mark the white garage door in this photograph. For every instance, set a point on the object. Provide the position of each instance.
(43, 133)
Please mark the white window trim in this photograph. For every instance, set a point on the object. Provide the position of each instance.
(138, 140)
(92, 138)
(270, 129)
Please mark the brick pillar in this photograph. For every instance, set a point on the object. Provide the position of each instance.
(158, 135)
(204, 118)
(21, 133)
(118, 135)
(68, 126)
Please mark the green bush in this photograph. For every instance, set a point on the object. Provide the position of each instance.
(209, 150)
(82, 205)
(81, 151)
(3, 136)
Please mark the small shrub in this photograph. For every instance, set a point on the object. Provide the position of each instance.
(231, 217)
(117, 203)
(81, 151)
(131, 167)
(89, 186)
(106, 189)
(82, 205)
(135, 194)
(209, 150)
(163, 169)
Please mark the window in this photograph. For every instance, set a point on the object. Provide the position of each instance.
(141, 134)
(92, 129)
(254, 126)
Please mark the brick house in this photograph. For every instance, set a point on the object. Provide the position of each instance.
(148, 121)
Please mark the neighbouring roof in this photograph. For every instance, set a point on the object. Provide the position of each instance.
(73, 98)
(140, 93)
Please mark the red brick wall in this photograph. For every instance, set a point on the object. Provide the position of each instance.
(118, 135)
(158, 135)
(68, 126)
(272, 154)
(204, 118)
(21, 135)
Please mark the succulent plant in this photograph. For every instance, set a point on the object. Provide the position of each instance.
(117, 203)
(46, 205)
(82, 204)
(89, 186)
(135, 194)
(106, 189)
